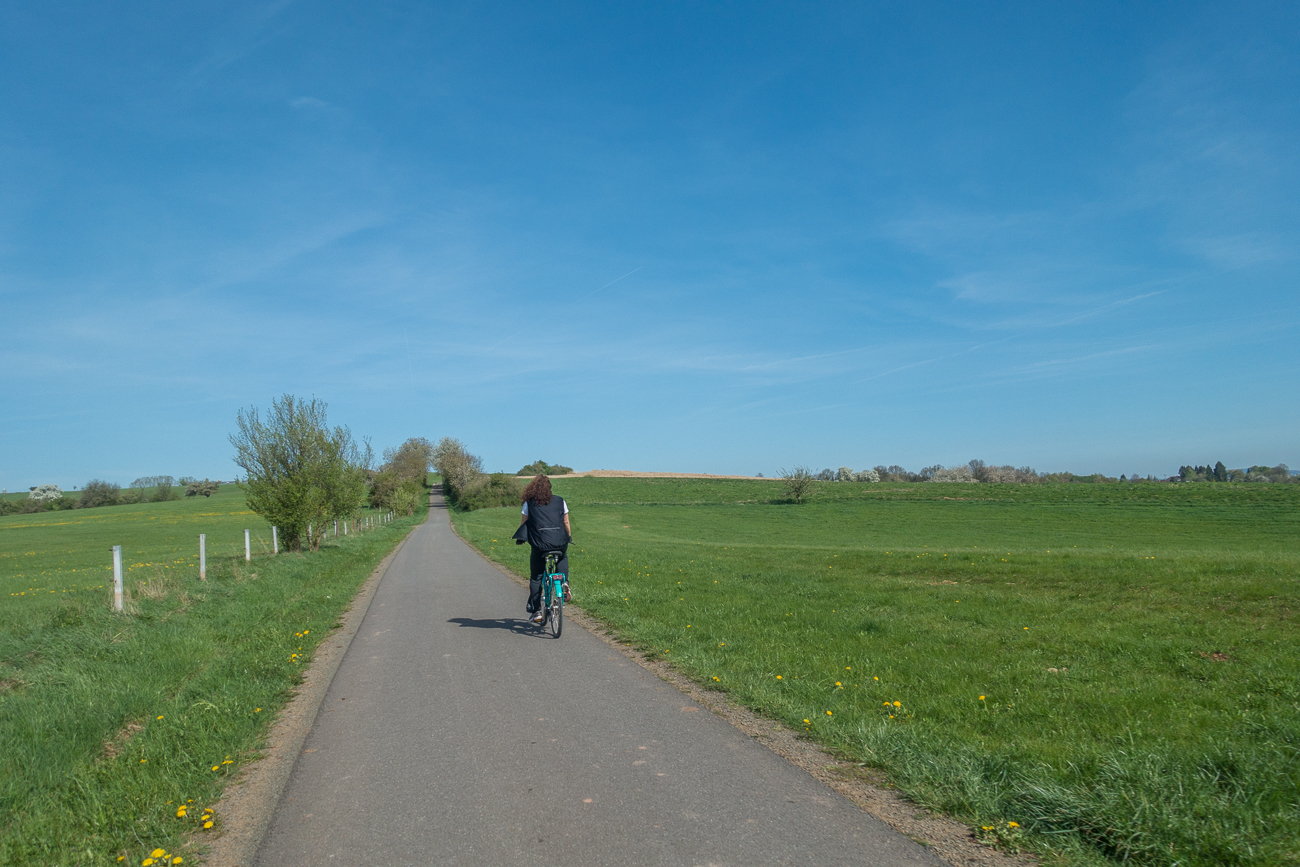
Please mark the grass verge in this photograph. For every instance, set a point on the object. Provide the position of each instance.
(118, 730)
(1098, 673)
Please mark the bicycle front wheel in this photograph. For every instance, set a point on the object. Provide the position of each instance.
(557, 617)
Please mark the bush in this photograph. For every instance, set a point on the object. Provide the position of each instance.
(542, 468)
(867, 476)
(45, 493)
(205, 488)
(798, 482)
(953, 474)
(492, 492)
(98, 492)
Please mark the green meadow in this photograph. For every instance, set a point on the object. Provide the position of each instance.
(1100, 674)
(119, 730)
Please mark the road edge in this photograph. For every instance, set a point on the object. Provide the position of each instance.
(951, 840)
(248, 804)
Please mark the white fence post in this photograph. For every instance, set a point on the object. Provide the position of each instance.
(248, 548)
(117, 577)
(336, 529)
(275, 541)
(203, 557)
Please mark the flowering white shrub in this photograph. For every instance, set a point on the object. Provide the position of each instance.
(844, 474)
(867, 476)
(45, 493)
(953, 474)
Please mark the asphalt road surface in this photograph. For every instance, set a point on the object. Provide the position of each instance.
(453, 733)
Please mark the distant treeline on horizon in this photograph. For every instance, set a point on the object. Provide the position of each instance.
(978, 471)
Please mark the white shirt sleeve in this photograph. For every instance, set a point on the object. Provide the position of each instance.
(525, 511)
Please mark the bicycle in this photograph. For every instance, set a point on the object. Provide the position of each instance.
(555, 587)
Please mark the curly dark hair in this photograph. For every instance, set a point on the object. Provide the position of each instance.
(538, 491)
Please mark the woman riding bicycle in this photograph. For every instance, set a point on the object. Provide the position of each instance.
(545, 526)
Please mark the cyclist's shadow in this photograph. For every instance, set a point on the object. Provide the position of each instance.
(516, 625)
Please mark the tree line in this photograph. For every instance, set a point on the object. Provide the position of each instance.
(1220, 473)
(301, 475)
(978, 471)
(97, 493)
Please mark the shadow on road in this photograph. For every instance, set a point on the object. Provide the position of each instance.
(519, 626)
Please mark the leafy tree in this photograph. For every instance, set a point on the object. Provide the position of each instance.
(461, 471)
(1220, 472)
(401, 481)
(299, 471)
(411, 461)
(153, 482)
(98, 492)
(798, 482)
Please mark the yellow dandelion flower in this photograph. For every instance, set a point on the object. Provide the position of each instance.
(146, 862)
(1013, 824)
(159, 716)
(807, 722)
(158, 853)
(178, 859)
(207, 824)
(778, 677)
(981, 698)
(837, 683)
(898, 704)
(828, 713)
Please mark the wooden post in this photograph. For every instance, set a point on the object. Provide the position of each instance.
(248, 548)
(117, 577)
(275, 541)
(203, 557)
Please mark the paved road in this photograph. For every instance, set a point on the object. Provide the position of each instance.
(453, 734)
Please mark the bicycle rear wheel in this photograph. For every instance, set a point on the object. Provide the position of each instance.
(557, 617)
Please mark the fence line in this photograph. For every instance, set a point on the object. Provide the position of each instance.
(366, 522)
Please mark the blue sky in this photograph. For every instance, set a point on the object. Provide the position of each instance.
(712, 237)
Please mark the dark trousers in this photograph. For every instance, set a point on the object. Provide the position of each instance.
(537, 566)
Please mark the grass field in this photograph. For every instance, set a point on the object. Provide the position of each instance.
(111, 723)
(1099, 673)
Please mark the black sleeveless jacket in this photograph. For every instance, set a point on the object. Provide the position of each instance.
(544, 527)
